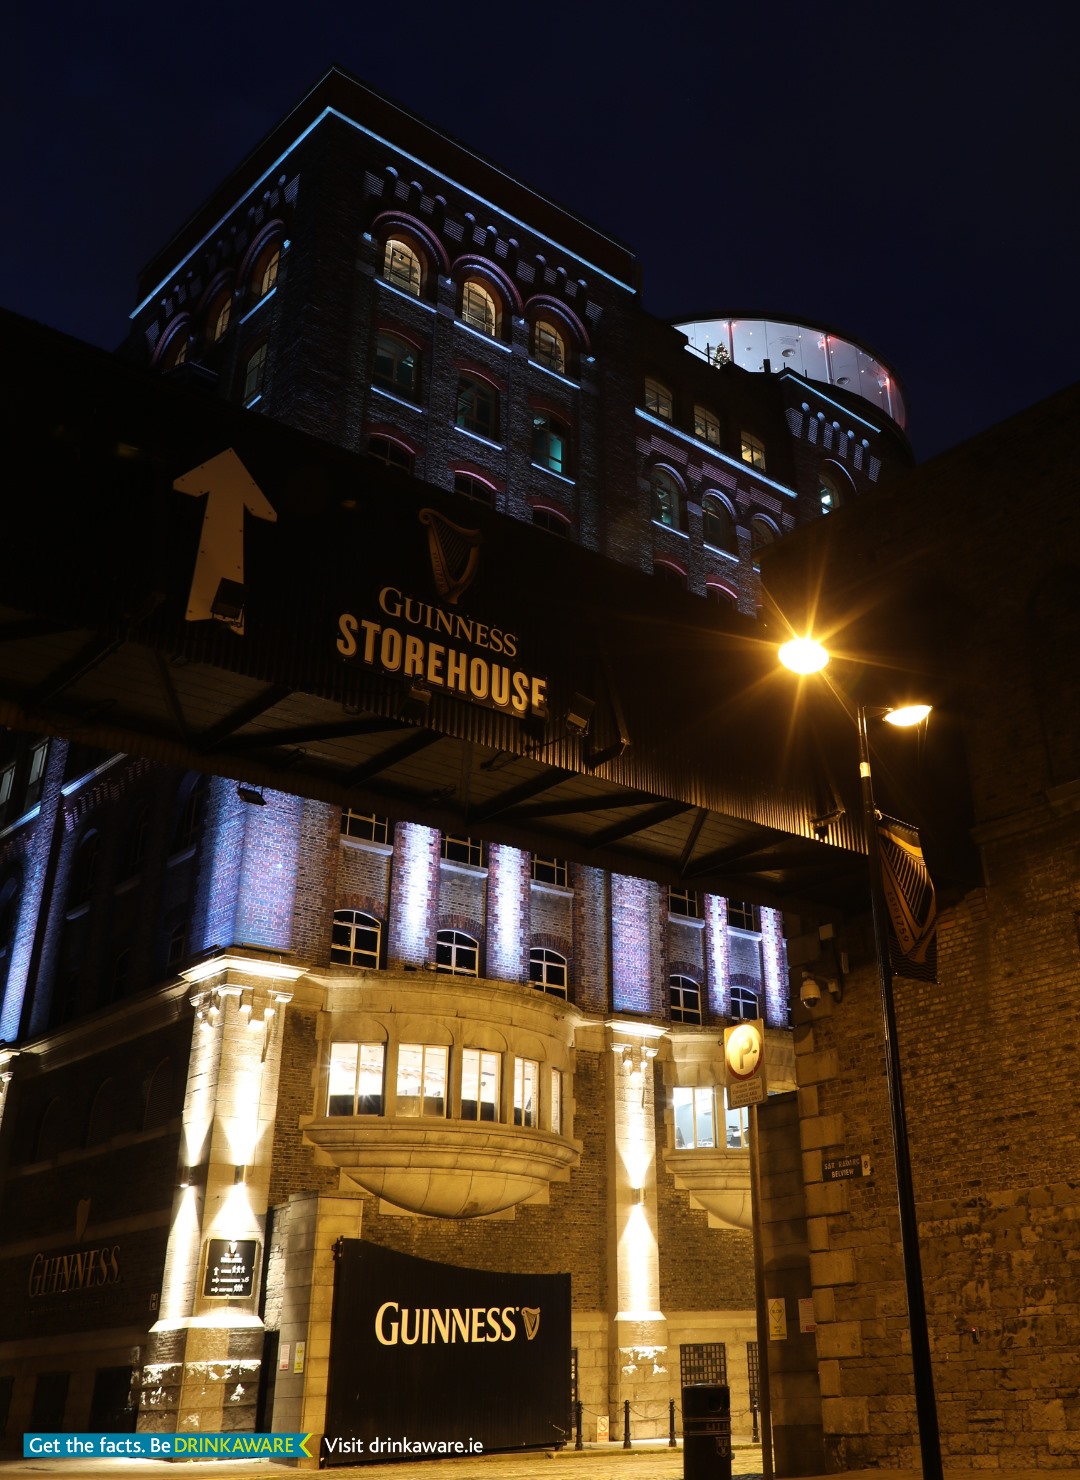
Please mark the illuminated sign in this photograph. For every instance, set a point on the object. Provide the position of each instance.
(230, 1268)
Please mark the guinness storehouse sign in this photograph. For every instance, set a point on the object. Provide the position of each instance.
(439, 1355)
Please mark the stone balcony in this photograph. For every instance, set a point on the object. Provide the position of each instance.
(718, 1180)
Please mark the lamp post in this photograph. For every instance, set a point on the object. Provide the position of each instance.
(803, 655)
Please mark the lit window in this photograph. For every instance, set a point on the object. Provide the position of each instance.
(548, 871)
(556, 1101)
(479, 1084)
(828, 494)
(695, 1118)
(666, 498)
(356, 1079)
(547, 971)
(684, 902)
(402, 267)
(549, 346)
(762, 532)
(479, 308)
(526, 1092)
(355, 939)
(752, 451)
(738, 1129)
(36, 777)
(658, 399)
(254, 373)
(474, 488)
(477, 407)
(551, 443)
(368, 826)
(220, 314)
(707, 425)
(685, 999)
(458, 849)
(176, 350)
(421, 1079)
(744, 1003)
(457, 954)
(718, 524)
(397, 366)
(267, 271)
(393, 454)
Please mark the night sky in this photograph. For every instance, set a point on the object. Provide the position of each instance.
(904, 173)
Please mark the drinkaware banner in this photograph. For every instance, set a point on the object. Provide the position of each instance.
(430, 1359)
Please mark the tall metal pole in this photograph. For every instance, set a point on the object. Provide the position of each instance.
(925, 1402)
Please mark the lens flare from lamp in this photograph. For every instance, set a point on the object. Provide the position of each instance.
(907, 715)
(803, 655)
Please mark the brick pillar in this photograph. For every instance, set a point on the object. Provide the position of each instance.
(508, 913)
(414, 894)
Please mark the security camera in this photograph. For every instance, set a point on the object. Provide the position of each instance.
(810, 991)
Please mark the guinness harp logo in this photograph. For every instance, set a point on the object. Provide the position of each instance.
(530, 1314)
(455, 554)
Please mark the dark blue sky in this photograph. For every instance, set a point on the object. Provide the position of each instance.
(907, 174)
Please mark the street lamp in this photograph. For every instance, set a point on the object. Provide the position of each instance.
(803, 655)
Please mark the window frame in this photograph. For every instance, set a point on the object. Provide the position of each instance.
(474, 389)
(391, 452)
(366, 957)
(684, 999)
(551, 443)
(684, 904)
(475, 293)
(526, 1110)
(752, 451)
(706, 425)
(461, 848)
(457, 953)
(702, 1103)
(411, 279)
(658, 399)
(475, 1064)
(715, 510)
(430, 1056)
(361, 1101)
(556, 871)
(554, 357)
(364, 827)
(672, 513)
(388, 339)
(546, 966)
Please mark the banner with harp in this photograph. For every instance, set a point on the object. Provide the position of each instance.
(455, 554)
(909, 894)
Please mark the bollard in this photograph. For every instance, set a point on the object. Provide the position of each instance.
(755, 1437)
(626, 1423)
(671, 1424)
(578, 1441)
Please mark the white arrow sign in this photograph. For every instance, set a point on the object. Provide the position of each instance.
(230, 489)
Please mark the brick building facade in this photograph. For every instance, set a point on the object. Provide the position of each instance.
(194, 978)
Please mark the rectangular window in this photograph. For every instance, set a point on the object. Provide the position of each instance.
(752, 451)
(462, 850)
(479, 1084)
(743, 916)
(684, 902)
(421, 1079)
(706, 426)
(7, 782)
(356, 1079)
(548, 871)
(694, 1111)
(368, 826)
(738, 1128)
(526, 1099)
(253, 372)
(36, 777)
(556, 1101)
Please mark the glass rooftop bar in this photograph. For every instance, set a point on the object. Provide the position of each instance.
(817, 353)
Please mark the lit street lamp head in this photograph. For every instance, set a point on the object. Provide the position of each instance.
(906, 715)
(803, 655)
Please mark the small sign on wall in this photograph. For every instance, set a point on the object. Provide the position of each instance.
(298, 1359)
(230, 1268)
(807, 1323)
(284, 1356)
(777, 1320)
(602, 1431)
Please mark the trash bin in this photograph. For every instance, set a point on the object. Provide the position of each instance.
(706, 1414)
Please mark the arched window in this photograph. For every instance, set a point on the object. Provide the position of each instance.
(707, 425)
(658, 399)
(762, 532)
(355, 939)
(744, 1003)
(477, 407)
(176, 350)
(393, 454)
(549, 346)
(667, 503)
(553, 523)
(480, 308)
(101, 1125)
(670, 574)
(474, 488)
(218, 316)
(752, 451)
(718, 524)
(456, 953)
(397, 366)
(551, 443)
(402, 266)
(721, 595)
(685, 999)
(162, 1100)
(254, 374)
(547, 971)
(265, 273)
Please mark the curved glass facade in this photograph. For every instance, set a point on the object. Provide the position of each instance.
(816, 353)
